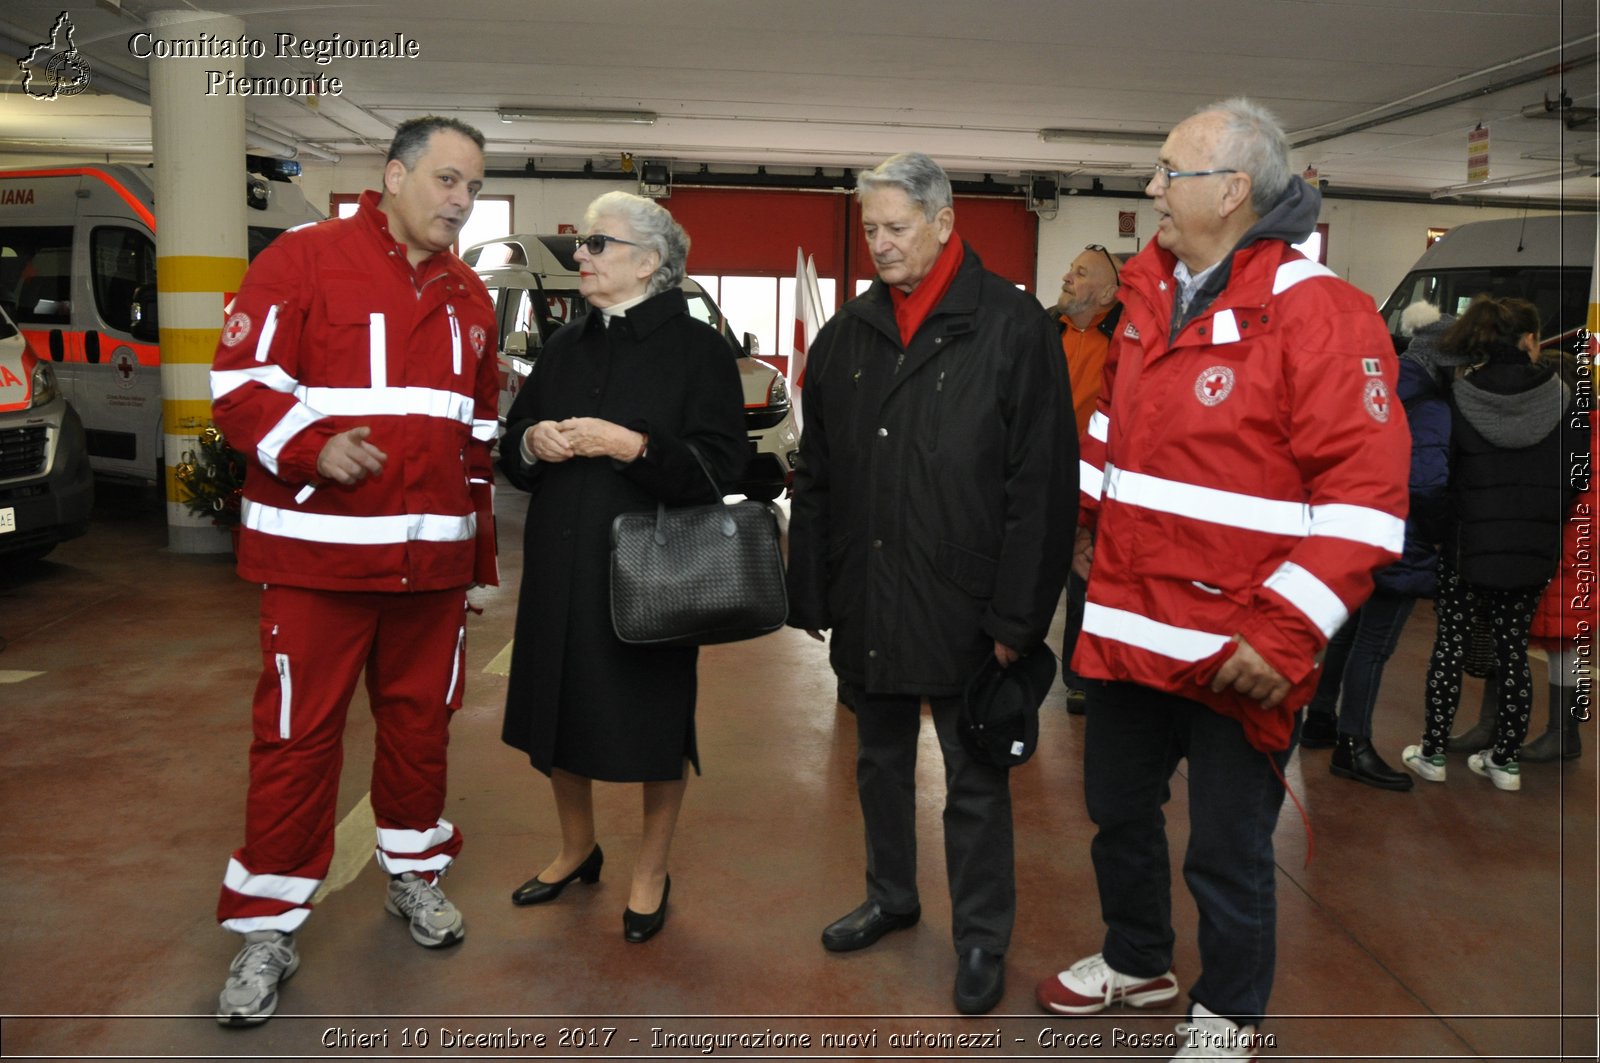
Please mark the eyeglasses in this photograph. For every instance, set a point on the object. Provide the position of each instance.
(596, 242)
(1166, 175)
(1116, 269)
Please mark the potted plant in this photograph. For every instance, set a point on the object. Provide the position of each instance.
(211, 481)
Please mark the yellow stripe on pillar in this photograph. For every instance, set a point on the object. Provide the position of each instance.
(185, 417)
(189, 346)
(199, 273)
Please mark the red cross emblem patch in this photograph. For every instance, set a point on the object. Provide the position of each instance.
(236, 329)
(1375, 397)
(479, 339)
(126, 365)
(1213, 385)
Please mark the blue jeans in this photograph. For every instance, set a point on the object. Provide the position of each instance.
(1355, 660)
(1134, 738)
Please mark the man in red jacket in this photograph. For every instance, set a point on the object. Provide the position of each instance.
(1251, 467)
(356, 373)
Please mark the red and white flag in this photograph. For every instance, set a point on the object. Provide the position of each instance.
(808, 318)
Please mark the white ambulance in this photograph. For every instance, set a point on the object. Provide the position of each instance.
(78, 273)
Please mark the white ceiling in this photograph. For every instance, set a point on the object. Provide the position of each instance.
(839, 83)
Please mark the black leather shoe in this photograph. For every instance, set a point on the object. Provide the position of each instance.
(1319, 731)
(865, 926)
(980, 982)
(535, 891)
(638, 928)
(1354, 758)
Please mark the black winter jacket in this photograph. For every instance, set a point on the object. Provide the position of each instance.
(1509, 484)
(936, 495)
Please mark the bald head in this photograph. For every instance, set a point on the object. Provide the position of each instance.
(1088, 288)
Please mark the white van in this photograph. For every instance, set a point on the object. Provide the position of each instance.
(78, 273)
(1546, 260)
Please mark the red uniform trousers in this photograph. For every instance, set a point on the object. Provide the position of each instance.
(314, 645)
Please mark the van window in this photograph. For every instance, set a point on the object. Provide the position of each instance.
(124, 262)
(1562, 296)
(36, 273)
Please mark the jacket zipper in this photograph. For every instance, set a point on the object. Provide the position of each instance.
(455, 339)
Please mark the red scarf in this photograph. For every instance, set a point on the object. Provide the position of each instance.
(910, 311)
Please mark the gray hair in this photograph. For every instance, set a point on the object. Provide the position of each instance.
(1254, 143)
(919, 177)
(414, 135)
(655, 229)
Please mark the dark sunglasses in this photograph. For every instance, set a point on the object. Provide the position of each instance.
(1116, 269)
(596, 243)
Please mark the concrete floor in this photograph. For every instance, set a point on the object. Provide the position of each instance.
(1454, 921)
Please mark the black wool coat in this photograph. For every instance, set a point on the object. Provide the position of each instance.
(578, 698)
(936, 497)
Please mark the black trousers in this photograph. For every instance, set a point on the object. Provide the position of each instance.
(977, 819)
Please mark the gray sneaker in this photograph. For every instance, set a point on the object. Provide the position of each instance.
(250, 995)
(435, 922)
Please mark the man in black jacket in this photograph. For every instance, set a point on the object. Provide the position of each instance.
(932, 526)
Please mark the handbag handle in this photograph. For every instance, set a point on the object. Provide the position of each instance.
(729, 529)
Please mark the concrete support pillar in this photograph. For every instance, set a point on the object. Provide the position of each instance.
(201, 242)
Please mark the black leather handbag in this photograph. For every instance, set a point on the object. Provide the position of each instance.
(697, 575)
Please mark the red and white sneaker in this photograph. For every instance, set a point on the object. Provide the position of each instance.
(1090, 985)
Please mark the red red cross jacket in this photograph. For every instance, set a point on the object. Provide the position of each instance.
(333, 329)
(1245, 477)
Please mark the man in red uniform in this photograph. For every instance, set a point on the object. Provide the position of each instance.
(1249, 477)
(356, 373)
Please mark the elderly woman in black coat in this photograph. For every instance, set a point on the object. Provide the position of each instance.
(604, 426)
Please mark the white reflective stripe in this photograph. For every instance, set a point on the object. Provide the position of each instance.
(455, 665)
(298, 419)
(1179, 643)
(1099, 426)
(273, 376)
(1224, 327)
(394, 866)
(285, 695)
(287, 923)
(1090, 479)
(485, 431)
(1310, 595)
(1301, 269)
(455, 340)
(1359, 524)
(289, 888)
(378, 351)
(269, 327)
(390, 402)
(1210, 504)
(360, 531)
(397, 840)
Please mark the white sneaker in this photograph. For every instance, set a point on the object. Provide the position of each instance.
(1430, 768)
(1504, 776)
(1207, 1035)
(250, 995)
(1090, 985)
(435, 922)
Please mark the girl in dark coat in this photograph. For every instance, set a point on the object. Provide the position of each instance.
(1508, 488)
(603, 426)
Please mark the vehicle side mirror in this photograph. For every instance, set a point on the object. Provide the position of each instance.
(517, 344)
(142, 324)
(752, 346)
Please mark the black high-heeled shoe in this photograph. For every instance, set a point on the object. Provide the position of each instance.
(638, 928)
(537, 891)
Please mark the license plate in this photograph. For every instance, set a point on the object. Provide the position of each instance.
(8, 519)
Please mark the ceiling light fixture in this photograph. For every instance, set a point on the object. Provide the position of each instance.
(575, 114)
(1099, 136)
